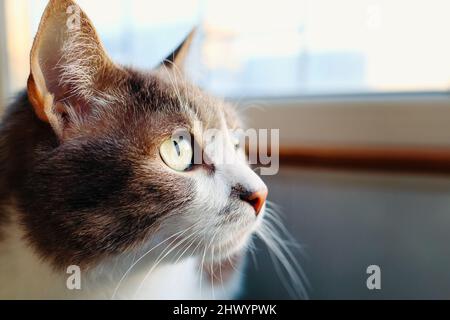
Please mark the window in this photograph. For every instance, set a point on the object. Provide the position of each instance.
(282, 48)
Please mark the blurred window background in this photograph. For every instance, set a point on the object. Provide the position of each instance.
(260, 49)
(270, 48)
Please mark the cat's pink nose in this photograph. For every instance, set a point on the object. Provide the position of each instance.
(256, 199)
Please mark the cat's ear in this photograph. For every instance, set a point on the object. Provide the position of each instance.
(178, 56)
(68, 63)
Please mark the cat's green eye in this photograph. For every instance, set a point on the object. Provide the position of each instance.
(176, 153)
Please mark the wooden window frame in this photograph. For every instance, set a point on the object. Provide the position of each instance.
(397, 132)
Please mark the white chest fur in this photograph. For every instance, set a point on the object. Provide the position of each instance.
(23, 275)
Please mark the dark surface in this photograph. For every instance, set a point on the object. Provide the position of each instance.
(348, 221)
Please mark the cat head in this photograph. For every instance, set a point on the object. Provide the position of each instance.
(128, 160)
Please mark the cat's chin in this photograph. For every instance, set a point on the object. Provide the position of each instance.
(237, 243)
(229, 247)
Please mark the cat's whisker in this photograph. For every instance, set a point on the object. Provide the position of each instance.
(212, 263)
(201, 269)
(189, 90)
(232, 264)
(220, 272)
(159, 259)
(278, 248)
(252, 249)
(198, 244)
(175, 87)
(281, 275)
(179, 75)
(187, 248)
(142, 257)
(281, 250)
(275, 219)
(203, 261)
(207, 247)
(212, 273)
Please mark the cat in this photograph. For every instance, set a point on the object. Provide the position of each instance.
(98, 198)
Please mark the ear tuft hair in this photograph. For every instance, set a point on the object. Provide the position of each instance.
(68, 65)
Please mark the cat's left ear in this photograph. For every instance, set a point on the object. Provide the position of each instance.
(178, 56)
(70, 71)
